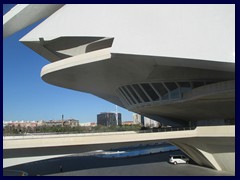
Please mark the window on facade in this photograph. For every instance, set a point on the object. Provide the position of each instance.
(141, 93)
(184, 87)
(184, 84)
(210, 82)
(174, 90)
(161, 90)
(150, 91)
(129, 95)
(171, 85)
(229, 122)
(134, 94)
(125, 96)
(197, 84)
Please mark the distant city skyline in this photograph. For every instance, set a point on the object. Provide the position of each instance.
(26, 97)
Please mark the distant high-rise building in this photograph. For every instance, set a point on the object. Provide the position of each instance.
(109, 119)
(144, 121)
(136, 118)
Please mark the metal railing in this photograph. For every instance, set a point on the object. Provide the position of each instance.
(168, 129)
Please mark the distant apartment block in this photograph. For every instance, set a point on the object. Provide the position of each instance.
(109, 119)
(34, 124)
(68, 122)
(21, 124)
(88, 124)
(137, 119)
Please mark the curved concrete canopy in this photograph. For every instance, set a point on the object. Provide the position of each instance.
(108, 72)
(205, 32)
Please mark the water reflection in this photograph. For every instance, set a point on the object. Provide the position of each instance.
(132, 151)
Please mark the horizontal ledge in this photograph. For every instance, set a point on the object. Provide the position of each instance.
(90, 57)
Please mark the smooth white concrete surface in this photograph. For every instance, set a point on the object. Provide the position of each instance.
(23, 15)
(205, 31)
(81, 59)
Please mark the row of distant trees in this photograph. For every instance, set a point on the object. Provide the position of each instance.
(11, 130)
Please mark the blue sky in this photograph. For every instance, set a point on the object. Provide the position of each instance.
(27, 97)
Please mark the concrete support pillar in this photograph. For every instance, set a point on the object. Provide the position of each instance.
(214, 152)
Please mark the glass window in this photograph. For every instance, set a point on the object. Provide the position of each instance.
(175, 94)
(184, 87)
(184, 84)
(229, 121)
(210, 82)
(141, 93)
(125, 96)
(161, 90)
(133, 93)
(150, 91)
(171, 85)
(197, 84)
(175, 91)
(128, 94)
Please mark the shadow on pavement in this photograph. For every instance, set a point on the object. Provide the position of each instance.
(74, 163)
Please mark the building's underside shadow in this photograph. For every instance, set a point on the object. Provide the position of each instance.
(74, 163)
